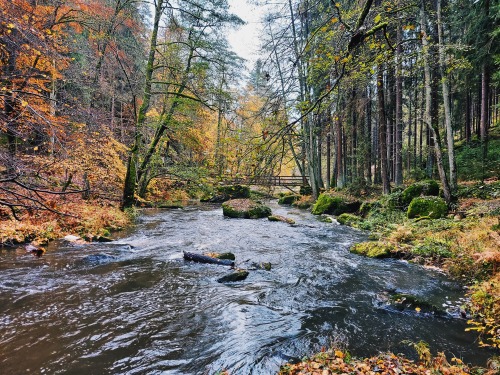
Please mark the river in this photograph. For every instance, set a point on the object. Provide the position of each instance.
(134, 306)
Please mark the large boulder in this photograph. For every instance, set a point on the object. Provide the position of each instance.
(288, 199)
(227, 192)
(428, 207)
(426, 187)
(328, 203)
(245, 208)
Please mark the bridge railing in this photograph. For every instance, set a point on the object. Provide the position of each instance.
(267, 180)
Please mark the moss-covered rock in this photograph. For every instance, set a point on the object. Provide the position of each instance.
(335, 205)
(428, 207)
(348, 219)
(374, 249)
(237, 275)
(288, 199)
(426, 187)
(281, 218)
(227, 192)
(245, 208)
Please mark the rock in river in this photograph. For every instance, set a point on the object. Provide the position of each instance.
(245, 208)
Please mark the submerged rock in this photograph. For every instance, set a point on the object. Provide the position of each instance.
(266, 266)
(237, 275)
(245, 208)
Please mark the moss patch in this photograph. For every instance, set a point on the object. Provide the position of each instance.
(288, 199)
(328, 203)
(431, 207)
(373, 249)
(349, 219)
(426, 187)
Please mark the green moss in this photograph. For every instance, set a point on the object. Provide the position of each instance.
(335, 205)
(432, 207)
(349, 219)
(288, 199)
(373, 249)
(426, 187)
(433, 248)
(234, 191)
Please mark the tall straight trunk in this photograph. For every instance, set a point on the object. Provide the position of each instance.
(398, 144)
(389, 117)
(428, 118)
(328, 158)
(468, 112)
(485, 83)
(307, 126)
(339, 157)
(131, 177)
(382, 131)
(446, 103)
(368, 140)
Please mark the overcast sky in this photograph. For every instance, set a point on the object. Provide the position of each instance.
(245, 40)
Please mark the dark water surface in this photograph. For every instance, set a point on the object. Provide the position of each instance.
(116, 309)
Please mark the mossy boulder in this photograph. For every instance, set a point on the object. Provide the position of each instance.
(373, 249)
(349, 219)
(245, 208)
(288, 199)
(227, 192)
(426, 187)
(428, 207)
(334, 205)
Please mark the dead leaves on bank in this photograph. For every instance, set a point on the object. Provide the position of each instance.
(337, 362)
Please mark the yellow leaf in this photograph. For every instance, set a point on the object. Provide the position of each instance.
(377, 18)
(35, 148)
(24, 103)
(417, 309)
(339, 354)
(11, 26)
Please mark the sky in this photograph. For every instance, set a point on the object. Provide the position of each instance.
(245, 40)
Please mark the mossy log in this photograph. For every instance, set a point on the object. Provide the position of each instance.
(207, 259)
(281, 218)
(237, 275)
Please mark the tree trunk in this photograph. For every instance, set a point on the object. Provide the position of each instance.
(382, 126)
(398, 144)
(446, 103)
(428, 118)
(131, 174)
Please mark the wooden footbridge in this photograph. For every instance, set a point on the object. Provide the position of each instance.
(286, 181)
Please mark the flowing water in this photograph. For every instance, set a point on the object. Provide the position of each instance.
(134, 306)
